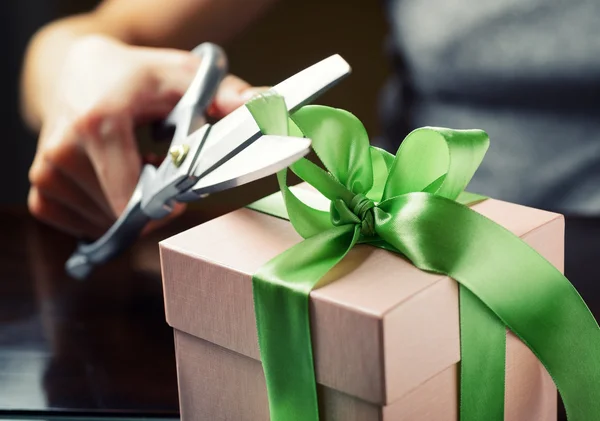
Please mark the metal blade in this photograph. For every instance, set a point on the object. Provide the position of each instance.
(264, 157)
(236, 131)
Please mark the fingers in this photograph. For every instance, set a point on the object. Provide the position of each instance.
(172, 72)
(232, 93)
(65, 192)
(113, 152)
(88, 162)
(59, 216)
(61, 149)
(53, 184)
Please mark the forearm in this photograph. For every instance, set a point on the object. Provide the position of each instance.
(182, 23)
(155, 23)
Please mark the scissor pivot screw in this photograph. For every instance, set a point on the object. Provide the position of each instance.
(178, 154)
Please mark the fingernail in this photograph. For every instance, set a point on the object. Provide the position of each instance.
(247, 95)
(107, 128)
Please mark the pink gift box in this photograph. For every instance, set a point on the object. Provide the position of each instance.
(385, 334)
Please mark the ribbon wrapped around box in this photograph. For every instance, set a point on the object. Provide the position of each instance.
(381, 334)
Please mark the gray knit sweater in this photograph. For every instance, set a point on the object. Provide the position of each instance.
(526, 71)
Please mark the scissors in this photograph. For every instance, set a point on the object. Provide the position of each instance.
(205, 158)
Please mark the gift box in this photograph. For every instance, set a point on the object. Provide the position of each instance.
(385, 335)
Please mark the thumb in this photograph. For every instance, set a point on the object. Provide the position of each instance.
(232, 93)
(169, 73)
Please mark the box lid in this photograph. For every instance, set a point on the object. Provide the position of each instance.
(380, 326)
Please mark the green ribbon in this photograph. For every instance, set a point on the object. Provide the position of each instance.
(414, 204)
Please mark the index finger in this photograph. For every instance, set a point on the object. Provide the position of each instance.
(113, 151)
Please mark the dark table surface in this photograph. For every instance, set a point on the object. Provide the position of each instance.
(101, 347)
(81, 347)
(94, 348)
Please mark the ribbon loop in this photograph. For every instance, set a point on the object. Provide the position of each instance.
(436, 160)
(341, 143)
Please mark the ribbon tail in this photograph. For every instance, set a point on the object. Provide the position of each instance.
(482, 366)
(281, 291)
(523, 290)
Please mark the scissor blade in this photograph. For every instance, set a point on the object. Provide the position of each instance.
(266, 156)
(236, 131)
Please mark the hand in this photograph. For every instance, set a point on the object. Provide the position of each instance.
(87, 161)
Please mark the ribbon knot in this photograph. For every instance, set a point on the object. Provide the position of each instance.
(363, 208)
(358, 211)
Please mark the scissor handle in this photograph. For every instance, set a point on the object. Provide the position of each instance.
(189, 112)
(121, 234)
(187, 115)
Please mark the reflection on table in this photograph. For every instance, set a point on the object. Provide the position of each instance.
(99, 346)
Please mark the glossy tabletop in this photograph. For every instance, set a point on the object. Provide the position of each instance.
(101, 348)
(94, 348)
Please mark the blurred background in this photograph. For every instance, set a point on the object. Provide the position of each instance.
(306, 32)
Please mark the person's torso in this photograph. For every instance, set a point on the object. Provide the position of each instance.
(526, 71)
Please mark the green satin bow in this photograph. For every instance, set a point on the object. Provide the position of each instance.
(414, 204)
